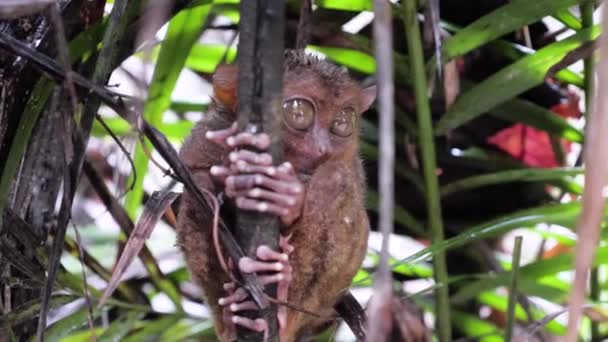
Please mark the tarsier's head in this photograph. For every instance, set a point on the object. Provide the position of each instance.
(322, 107)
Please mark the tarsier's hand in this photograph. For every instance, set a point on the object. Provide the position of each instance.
(253, 181)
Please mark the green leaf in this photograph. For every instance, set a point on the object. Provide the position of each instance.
(353, 59)
(568, 19)
(520, 175)
(183, 31)
(508, 18)
(189, 329)
(563, 214)
(205, 58)
(500, 303)
(529, 113)
(120, 327)
(65, 326)
(511, 81)
(476, 328)
(515, 51)
(346, 5)
(153, 328)
(530, 277)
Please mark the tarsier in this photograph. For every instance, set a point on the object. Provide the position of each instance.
(318, 194)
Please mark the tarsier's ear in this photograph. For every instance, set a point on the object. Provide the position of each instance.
(368, 96)
(225, 81)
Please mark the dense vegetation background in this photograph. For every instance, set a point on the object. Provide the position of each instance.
(508, 85)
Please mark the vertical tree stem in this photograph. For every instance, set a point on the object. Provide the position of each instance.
(513, 289)
(427, 146)
(260, 98)
(589, 73)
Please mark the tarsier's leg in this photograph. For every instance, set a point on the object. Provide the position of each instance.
(255, 184)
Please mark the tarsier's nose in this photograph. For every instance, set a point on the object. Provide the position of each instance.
(322, 150)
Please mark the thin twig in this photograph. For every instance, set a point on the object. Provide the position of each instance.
(123, 149)
(304, 24)
(381, 305)
(595, 154)
(85, 288)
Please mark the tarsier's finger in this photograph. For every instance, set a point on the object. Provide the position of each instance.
(251, 157)
(238, 296)
(260, 141)
(219, 137)
(246, 305)
(258, 324)
(271, 279)
(229, 287)
(266, 253)
(241, 166)
(279, 199)
(220, 173)
(286, 247)
(261, 206)
(249, 265)
(286, 172)
(245, 182)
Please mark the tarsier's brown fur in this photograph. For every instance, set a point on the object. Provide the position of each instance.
(330, 237)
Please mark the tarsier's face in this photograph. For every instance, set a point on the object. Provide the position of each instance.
(321, 123)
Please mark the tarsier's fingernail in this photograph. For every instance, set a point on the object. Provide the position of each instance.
(291, 201)
(258, 179)
(262, 207)
(271, 171)
(235, 319)
(230, 141)
(209, 135)
(234, 307)
(255, 192)
(284, 257)
(233, 156)
(278, 266)
(221, 301)
(288, 165)
(214, 170)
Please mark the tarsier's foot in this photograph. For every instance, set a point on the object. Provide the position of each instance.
(278, 270)
(252, 180)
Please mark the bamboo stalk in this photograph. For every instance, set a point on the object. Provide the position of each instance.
(427, 146)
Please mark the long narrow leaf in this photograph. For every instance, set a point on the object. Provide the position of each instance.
(508, 18)
(511, 81)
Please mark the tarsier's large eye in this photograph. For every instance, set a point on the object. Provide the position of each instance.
(344, 123)
(298, 114)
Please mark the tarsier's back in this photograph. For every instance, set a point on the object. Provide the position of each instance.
(318, 194)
